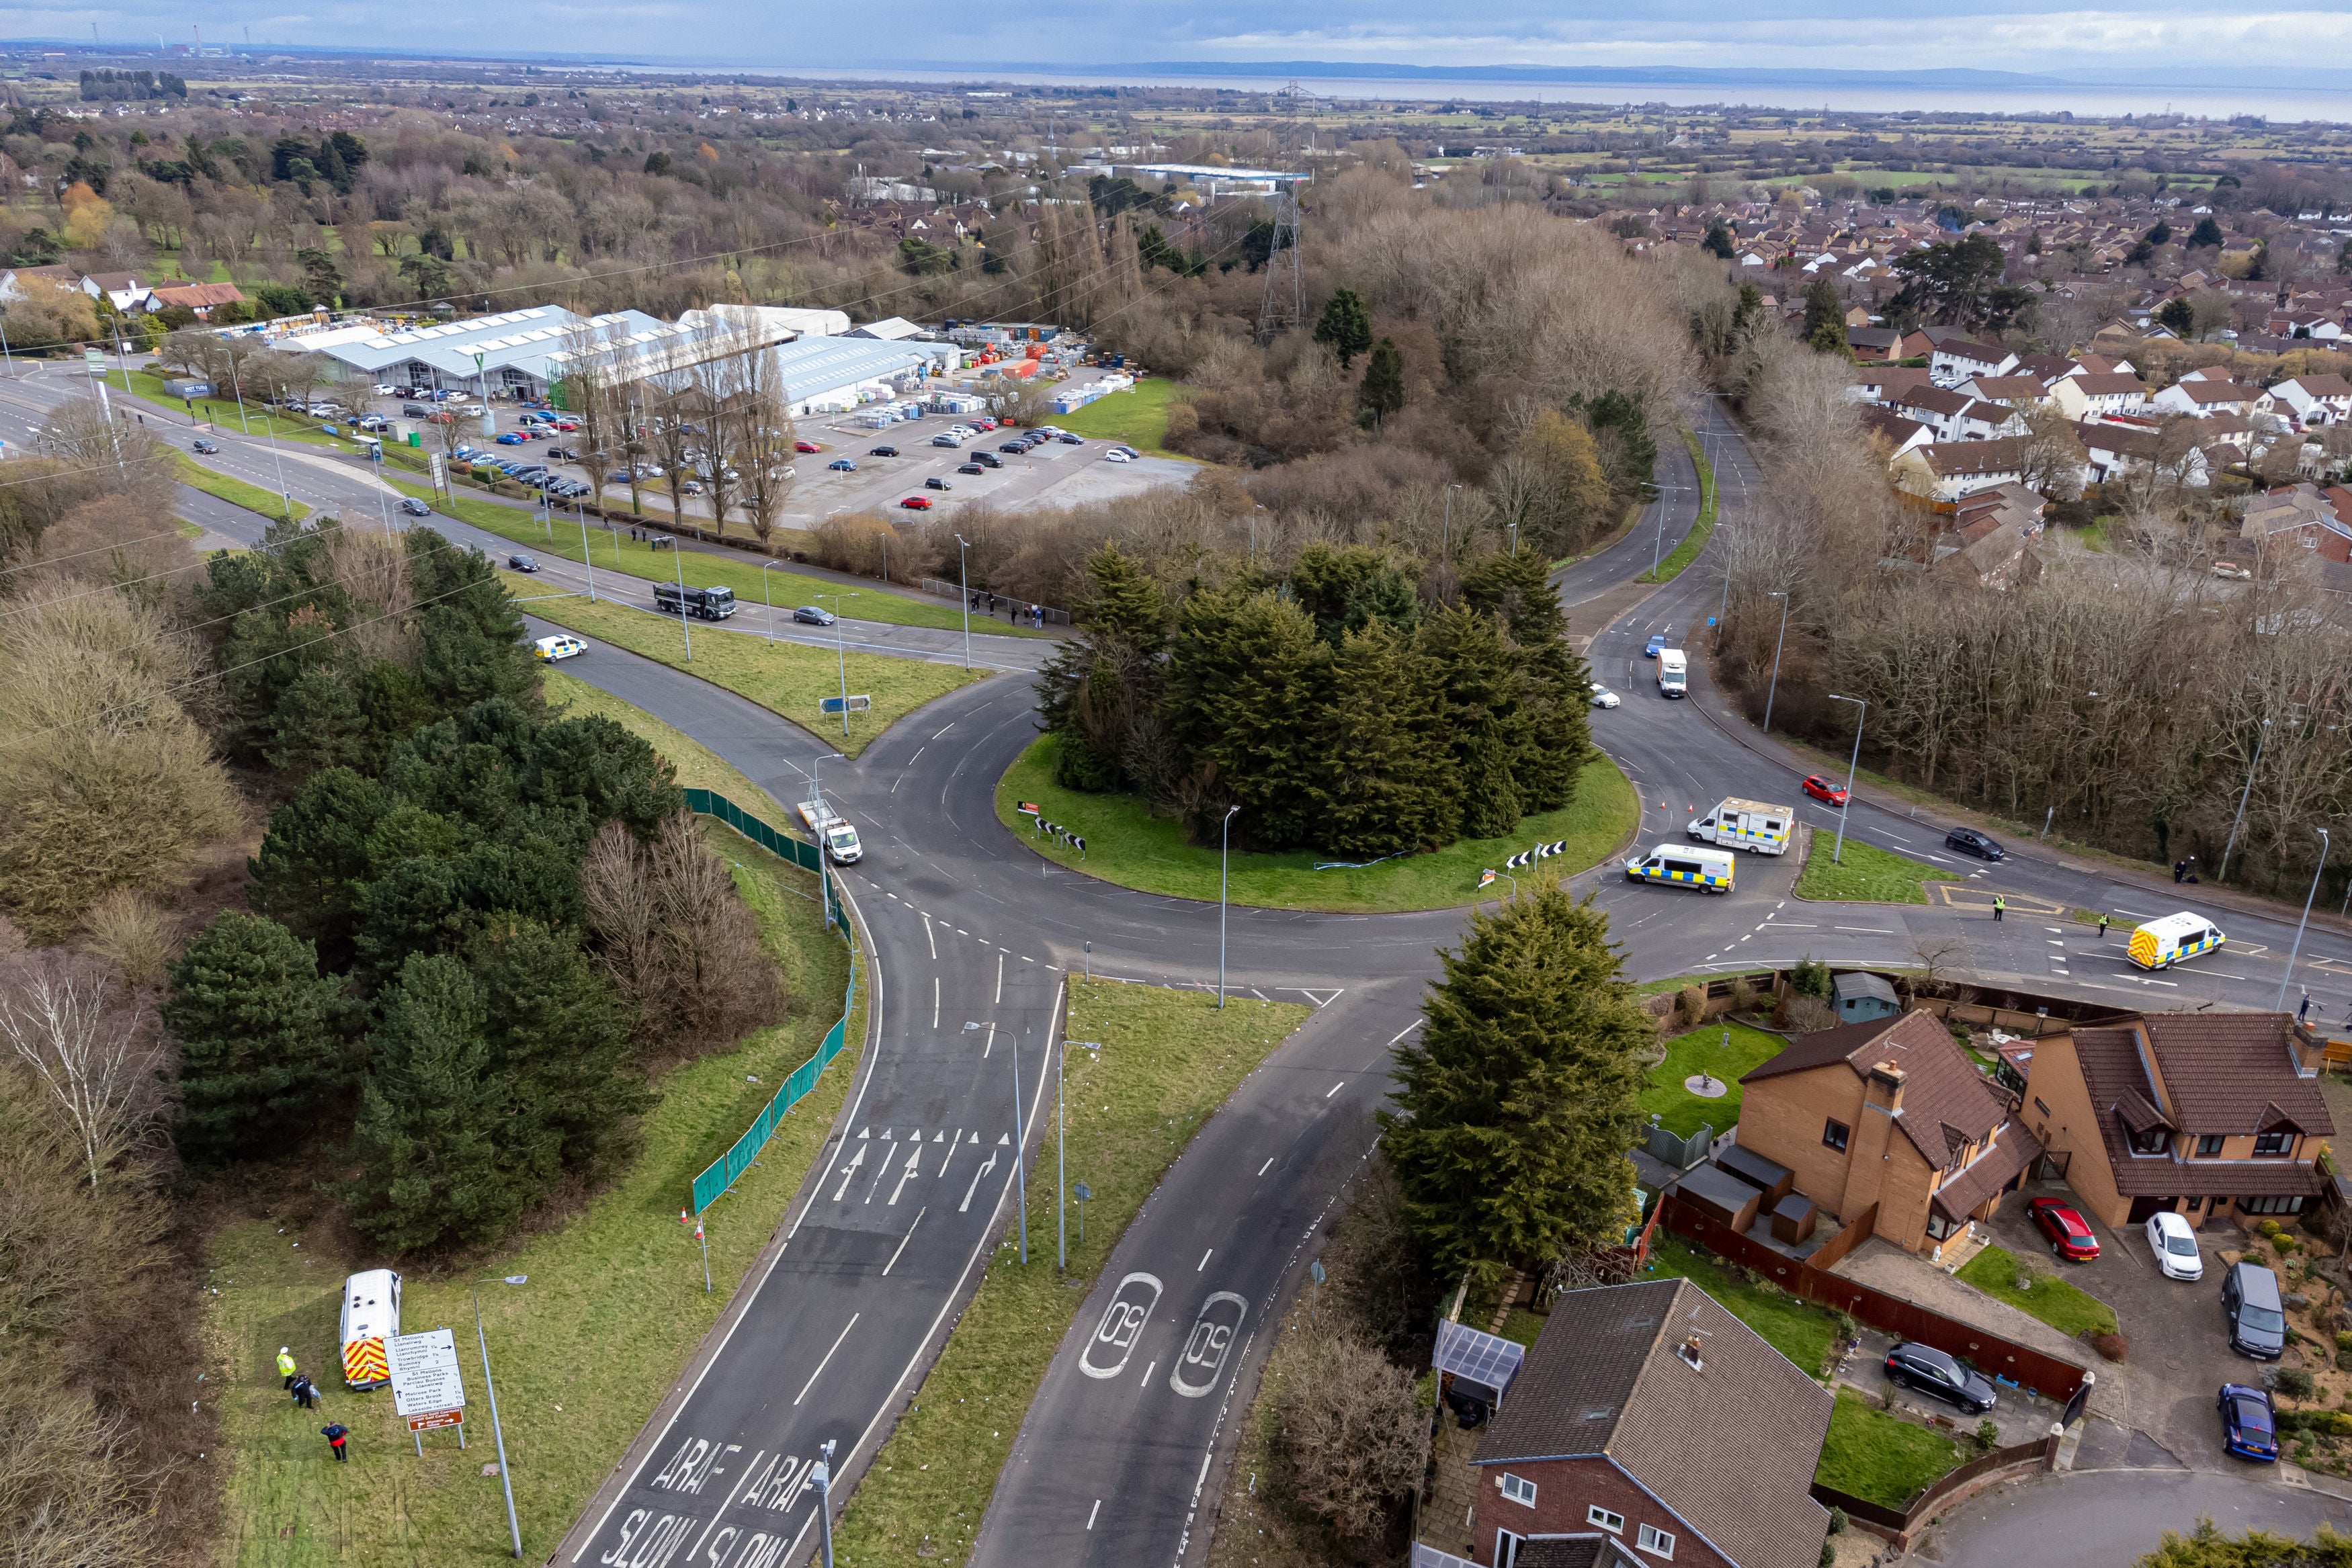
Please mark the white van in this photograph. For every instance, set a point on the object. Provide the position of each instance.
(1674, 672)
(1737, 824)
(1709, 869)
(2161, 943)
(371, 1316)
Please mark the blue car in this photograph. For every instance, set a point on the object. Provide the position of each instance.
(510, 439)
(2249, 1424)
(1650, 649)
(842, 465)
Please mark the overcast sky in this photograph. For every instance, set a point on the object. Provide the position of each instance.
(2168, 40)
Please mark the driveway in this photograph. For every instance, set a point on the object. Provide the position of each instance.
(2109, 1518)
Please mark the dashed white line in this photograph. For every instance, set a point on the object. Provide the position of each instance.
(1268, 1167)
(1092, 1512)
(934, 941)
(1147, 1372)
(1204, 1259)
(1334, 1089)
(1000, 977)
(909, 1236)
(829, 1357)
(935, 1001)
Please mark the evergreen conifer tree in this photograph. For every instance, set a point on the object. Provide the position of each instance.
(431, 1173)
(1554, 684)
(1345, 327)
(1382, 392)
(556, 1032)
(1387, 781)
(261, 1049)
(1100, 691)
(1517, 1101)
(1343, 590)
(1481, 715)
(1244, 671)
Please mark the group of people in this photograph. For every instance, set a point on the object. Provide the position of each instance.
(306, 1396)
(1014, 611)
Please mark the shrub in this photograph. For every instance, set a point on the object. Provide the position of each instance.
(1988, 1433)
(133, 932)
(1743, 996)
(1829, 1556)
(1838, 1521)
(2268, 1229)
(1811, 978)
(2114, 1346)
(1691, 1002)
(2295, 1383)
(1352, 1438)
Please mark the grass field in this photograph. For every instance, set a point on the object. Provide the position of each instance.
(1169, 1059)
(1883, 1458)
(1683, 1112)
(1127, 845)
(2055, 1301)
(1701, 531)
(787, 679)
(1138, 417)
(1867, 874)
(235, 492)
(1798, 1330)
(611, 1310)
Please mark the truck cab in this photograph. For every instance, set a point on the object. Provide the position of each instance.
(838, 837)
(1674, 672)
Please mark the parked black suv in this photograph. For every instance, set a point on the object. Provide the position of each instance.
(1930, 1370)
(2250, 1305)
(1967, 841)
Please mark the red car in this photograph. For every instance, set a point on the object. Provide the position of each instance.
(806, 447)
(917, 503)
(567, 425)
(1822, 789)
(2070, 1236)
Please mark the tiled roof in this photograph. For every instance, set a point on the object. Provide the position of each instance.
(1941, 1087)
(1994, 1170)
(2221, 1070)
(1957, 458)
(2115, 1079)
(2107, 385)
(1935, 399)
(1994, 389)
(1730, 1444)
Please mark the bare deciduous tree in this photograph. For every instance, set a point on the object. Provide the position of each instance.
(676, 938)
(92, 1045)
(1352, 1434)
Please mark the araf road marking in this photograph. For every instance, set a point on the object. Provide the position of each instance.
(1206, 1347)
(1123, 1318)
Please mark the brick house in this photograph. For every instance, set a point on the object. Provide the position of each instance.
(2213, 1115)
(1890, 1113)
(1648, 1424)
(2297, 516)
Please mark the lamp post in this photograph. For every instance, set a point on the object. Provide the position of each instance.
(1061, 1166)
(680, 557)
(963, 582)
(1225, 860)
(587, 556)
(1837, 855)
(767, 597)
(269, 428)
(1019, 1154)
(2296, 951)
(498, 1433)
(816, 788)
(822, 1474)
(1774, 690)
(840, 652)
(2261, 735)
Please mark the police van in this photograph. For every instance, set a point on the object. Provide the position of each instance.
(371, 1316)
(2161, 943)
(1737, 824)
(1709, 869)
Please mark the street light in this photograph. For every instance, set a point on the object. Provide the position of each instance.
(680, 556)
(1019, 1154)
(821, 1473)
(1837, 855)
(1225, 860)
(1774, 690)
(964, 582)
(840, 653)
(498, 1433)
(587, 556)
(2279, 1004)
(767, 597)
(2259, 736)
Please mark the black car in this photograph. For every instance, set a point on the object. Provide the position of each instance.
(207, 447)
(1967, 841)
(1930, 1370)
(560, 453)
(884, 452)
(521, 563)
(1015, 448)
(810, 615)
(414, 507)
(987, 460)
(970, 468)
(414, 411)
(1067, 439)
(936, 483)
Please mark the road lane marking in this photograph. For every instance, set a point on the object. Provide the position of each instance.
(942, 732)
(1334, 1089)
(966, 1204)
(1000, 977)
(848, 1171)
(907, 1171)
(935, 1001)
(1147, 1372)
(1268, 1167)
(1092, 1512)
(991, 1044)
(1204, 1259)
(829, 1357)
(934, 941)
(1865, 930)
(902, 1242)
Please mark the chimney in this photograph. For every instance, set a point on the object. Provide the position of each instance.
(1886, 1087)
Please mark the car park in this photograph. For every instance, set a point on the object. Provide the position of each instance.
(936, 483)
(2250, 1307)
(208, 447)
(917, 503)
(2175, 1246)
(988, 459)
(415, 507)
(521, 563)
(1067, 439)
(1115, 456)
(2069, 1235)
(884, 452)
(1931, 1371)
(842, 465)
(553, 648)
(1822, 789)
(970, 468)
(2249, 1423)
(1967, 841)
(811, 615)
(1604, 697)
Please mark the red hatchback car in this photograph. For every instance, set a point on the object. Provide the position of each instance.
(1822, 789)
(806, 447)
(2069, 1235)
(917, 503)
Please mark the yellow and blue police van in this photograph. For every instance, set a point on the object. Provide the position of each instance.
(1682, 865)
(2161, 943)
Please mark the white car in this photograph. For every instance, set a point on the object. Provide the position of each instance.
(554, 648)
(1117, 457)
(2175, 1246)
(1604, 697)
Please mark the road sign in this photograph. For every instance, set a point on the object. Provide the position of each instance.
(425, 1423)
(858, 704)
(94, 360)
(424, 1379)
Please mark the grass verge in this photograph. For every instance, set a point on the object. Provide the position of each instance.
(1128, 844)
(1883, 1458)
(1867, 874)
(613, 1308)
(786, 678)
(1797, 1329)
(2063, 1306)
(235, 492)
(1138, 418)
(1683, 1112)
(1169, 1059)
(1701, 531)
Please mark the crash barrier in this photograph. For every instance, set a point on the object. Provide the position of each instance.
(720, 1174)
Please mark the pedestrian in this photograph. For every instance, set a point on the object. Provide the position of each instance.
(306, 1392)
(2179, 869)
(2303, 1012)
(2102, 927)
(286, 1364)
(335, 1432)
(1999, 906)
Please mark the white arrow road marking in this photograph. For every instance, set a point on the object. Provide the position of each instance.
(906, 1174)
(983, 1170)
(849, 1170)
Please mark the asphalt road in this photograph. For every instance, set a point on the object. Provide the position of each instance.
(2109, 1518)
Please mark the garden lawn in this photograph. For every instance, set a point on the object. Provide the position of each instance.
(612, 1310)
(1128, 844)
(235, 492)
(1701, 531)
(1678, 1110)
(1797, 1329)
(1867, 874)
(616, 551)
(2056, 1302)
(1138, 418)
(786, 678)
(1169, 1059)
(1883, 1458)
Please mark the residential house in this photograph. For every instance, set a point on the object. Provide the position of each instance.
(1901, 434)
(2019, 391)
(1891, 1115)
(201, 297)
(1874, 343)
(1951, 471)
(2099, 395)
(1649, 1417)
(1991, 553)
(2019, 504)
(122, 290)
(2313, 400)
(2212, 1116)
(1982, 420)
(2115, 449)
(1938, 408)
(2200, 396)
(2298, 515)
(1954, 359)
(13, 280)
(1887, 384)
(2104, 365)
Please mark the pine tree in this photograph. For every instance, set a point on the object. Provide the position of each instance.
(426, 1143)
(1241, 671)
(261, 1051)
(1823, 309)
(1387, 780)
(1718, 240)
(1554, 684)
(561, 1039)
(1345, 327)
(1382, 392)
(1099, 692)
(1480, 712)
(1517, 1101)
(1343, 590)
